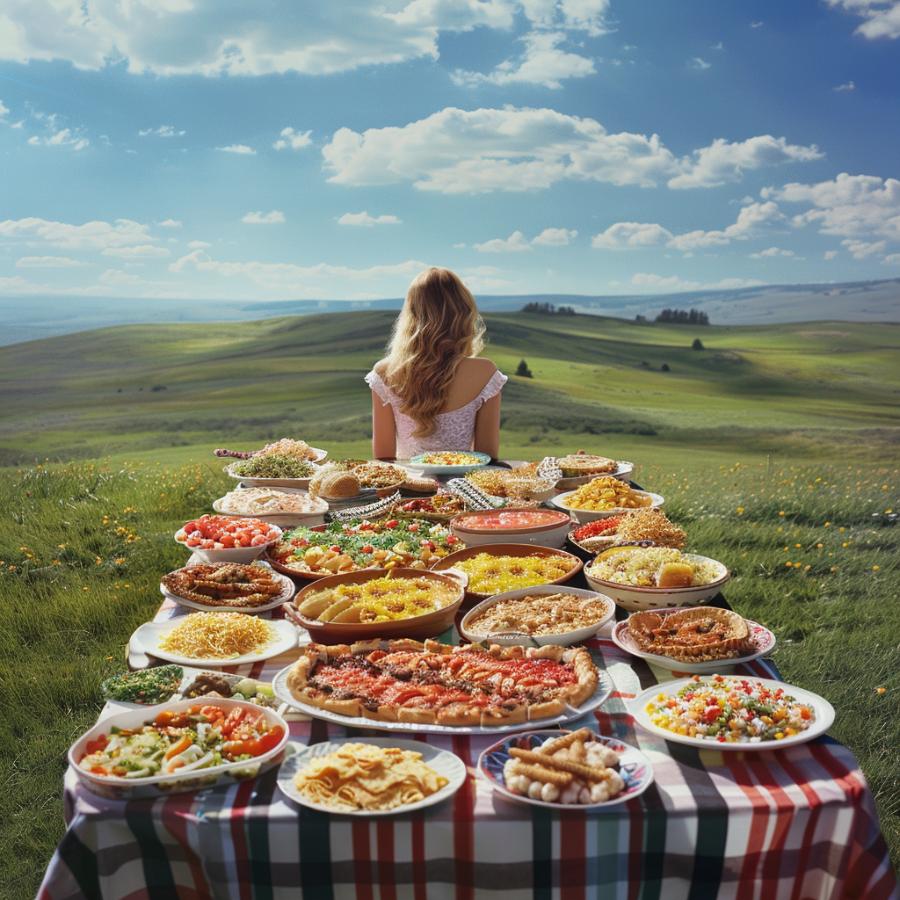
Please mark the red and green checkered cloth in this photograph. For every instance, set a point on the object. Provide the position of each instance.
(798, 824)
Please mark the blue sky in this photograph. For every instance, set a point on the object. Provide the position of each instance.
(283, 149)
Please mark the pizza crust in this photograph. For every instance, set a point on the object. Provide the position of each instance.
(499, 712)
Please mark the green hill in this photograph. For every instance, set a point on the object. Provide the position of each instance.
(813, 389)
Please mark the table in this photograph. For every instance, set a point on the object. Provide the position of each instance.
(797, 823)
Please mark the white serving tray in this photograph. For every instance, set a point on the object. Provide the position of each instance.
(571, 713)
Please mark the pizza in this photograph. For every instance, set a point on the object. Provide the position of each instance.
(434, 684)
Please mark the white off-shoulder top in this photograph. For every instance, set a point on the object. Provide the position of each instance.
(454, 430)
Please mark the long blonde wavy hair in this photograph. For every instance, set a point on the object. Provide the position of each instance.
(437, 328)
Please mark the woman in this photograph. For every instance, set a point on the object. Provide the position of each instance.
(432, 391)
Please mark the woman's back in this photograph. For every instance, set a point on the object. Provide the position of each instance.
(431, 391)
(476, 382)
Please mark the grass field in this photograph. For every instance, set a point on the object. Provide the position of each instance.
(820, 389)
(775, 447)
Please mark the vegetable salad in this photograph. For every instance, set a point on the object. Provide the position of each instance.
(731, 710)
(178, 742)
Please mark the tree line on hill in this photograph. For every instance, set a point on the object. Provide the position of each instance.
(677, 317)
(548, 309)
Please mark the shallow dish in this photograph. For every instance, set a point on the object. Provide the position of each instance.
(420, 627)
(624, 473)
(124, 788)
(583, 516)
(823, 710)
(442, 761)
(571, 714)
(427, 469)
(288, 590)
(762, 639)
(453, 559)
(636, 599)
(148, 636)
(634, 767)
(285, 519)
(509, 525)
(563, 639)
(250, 481)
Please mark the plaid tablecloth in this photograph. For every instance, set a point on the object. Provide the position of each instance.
(797, 823)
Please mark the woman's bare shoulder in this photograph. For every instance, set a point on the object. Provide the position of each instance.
(478, 365)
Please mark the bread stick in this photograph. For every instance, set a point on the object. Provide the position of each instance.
(542, 773)
(565, 740)
(589, 773)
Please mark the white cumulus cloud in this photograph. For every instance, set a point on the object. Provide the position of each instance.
(856, 206)
(555, 237)
(456, 151)
(94, 235)
(542, 62)
(49, 262)
(771, 252)
(363, 219)
(517, 242)
(171, 223)
(881, 18)
(750, 220)
(291, 139)
(141, 251)
(163, 131)
(243, 38)
(674, 283)
(239, 149)
(631, 235)
(274, 217)
(725, 161)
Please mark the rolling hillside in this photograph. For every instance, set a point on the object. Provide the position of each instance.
(789, 389)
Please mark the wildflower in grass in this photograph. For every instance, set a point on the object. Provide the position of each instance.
(60, 546)
(835, 568)
(781, 513)
(798, 546)
(119, 560)
(789, 564)
(740, 510)
(881, 690)
(820, 545)
(876, 568)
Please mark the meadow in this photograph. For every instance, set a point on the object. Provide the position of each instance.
(775, 447)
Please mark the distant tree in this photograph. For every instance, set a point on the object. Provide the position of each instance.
(664, 368)
(697, 345)
(640, 320)
(158, 387)
(645, 364)
(523, 371)
(683, 317)
(548, 309)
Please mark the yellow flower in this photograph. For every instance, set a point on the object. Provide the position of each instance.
(798, 546)
(740, 510)
(880, 690)
(876, 568)
(788, 564)
(781, 512)
(819, 546)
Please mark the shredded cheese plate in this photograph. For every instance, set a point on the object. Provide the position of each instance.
(229, 644)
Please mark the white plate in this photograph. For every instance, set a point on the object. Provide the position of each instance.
(147, 638)
(426, 469)
(288, 588)
(762, 638)
(583, 516)
(824, 716)
(634, 767)
(281, 519)
(563, 639)
(250, 481)
(154, 785)
(624, 472)
(442, 761)
(604, 689)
